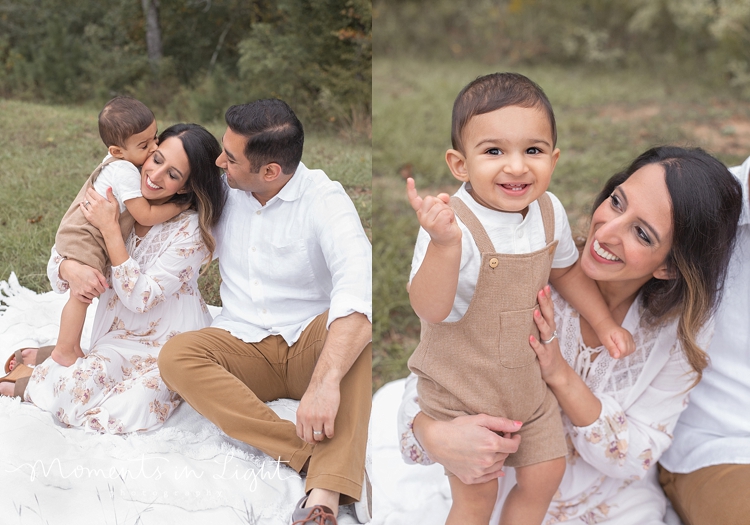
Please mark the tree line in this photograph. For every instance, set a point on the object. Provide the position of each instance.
(192, 58)
(708, 38)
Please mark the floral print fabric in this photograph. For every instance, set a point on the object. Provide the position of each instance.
(116, 387)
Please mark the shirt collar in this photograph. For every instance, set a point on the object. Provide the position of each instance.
(742, 173)
(292, 190)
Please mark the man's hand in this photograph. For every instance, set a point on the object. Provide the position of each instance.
(347, 337)
(317, 411)
(85, 282)
(470, 447)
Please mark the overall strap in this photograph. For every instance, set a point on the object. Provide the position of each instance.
(548, 217)
(472, 223)
(100, 167)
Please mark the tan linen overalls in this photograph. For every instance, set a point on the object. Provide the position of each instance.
(483, 363)
(81, 241)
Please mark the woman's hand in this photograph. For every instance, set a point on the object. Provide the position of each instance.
(469, 446)
(85, 282)
(551, 361)
(576, 399)
(100, 212)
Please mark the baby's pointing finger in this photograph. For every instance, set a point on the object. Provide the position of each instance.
(411, 194)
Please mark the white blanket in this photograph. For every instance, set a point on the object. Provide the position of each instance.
(409, 494)
(187, 472)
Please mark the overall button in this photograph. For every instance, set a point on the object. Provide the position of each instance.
(493, 262)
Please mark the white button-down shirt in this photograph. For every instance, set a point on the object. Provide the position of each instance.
(285, 263)
(715, 427)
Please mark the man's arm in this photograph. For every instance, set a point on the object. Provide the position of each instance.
(347, 337)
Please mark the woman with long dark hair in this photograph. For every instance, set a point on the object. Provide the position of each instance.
(659, 243)
(152, 295)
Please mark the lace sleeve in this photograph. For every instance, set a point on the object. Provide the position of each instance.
(626, 442)
(59, 285)
(171, 274)
(411, 451)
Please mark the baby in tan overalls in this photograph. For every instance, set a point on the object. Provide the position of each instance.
(128, 129)
(481, 258)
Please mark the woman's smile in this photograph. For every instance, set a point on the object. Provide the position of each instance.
(151, 184)
(602, 253)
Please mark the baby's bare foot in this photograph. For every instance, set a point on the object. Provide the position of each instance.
(28, 355)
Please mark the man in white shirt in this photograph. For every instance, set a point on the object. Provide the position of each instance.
(706, 471)
(296, 317)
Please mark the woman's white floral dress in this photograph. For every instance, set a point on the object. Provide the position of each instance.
(153, 296)
(609, 476)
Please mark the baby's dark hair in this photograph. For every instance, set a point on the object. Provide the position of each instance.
(121, 118)
(495, 91)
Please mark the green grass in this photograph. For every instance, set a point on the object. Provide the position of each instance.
(604, 120)
(47, 152)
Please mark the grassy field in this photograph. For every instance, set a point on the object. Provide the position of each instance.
(47, 152)
(604, 120)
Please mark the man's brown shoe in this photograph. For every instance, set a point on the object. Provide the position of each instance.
(315, 515)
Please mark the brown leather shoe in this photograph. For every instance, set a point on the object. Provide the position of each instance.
(316, 515)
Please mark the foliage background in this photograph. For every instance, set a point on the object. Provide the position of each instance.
(621, 76)
(315, 54)
(61, 60)
(663, 35)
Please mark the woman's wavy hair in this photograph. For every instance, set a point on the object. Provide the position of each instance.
(706, 205)
(205, 190)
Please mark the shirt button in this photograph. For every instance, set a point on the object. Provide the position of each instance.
(265, 311)
(255, 282)
(253, 248)
(257, 212)
(519, 234)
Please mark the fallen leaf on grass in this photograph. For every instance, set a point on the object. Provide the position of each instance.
(34, 219)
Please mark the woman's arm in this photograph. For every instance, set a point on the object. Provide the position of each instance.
(575, 398)
(173, 272)
(468, 446)
(619, 442)
(84, 282)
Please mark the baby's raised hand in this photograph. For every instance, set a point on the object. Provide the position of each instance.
(435, 215)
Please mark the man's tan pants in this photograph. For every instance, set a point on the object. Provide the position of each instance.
(228, 381)
(718, 495)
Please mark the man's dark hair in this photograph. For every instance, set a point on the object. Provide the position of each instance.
(121, 118)
(496, 91)
(273, 131)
